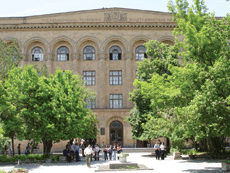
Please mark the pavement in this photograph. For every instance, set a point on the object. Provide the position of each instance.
(159, 166)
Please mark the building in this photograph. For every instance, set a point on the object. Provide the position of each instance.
(103, 46)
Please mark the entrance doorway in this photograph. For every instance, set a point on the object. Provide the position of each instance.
(116, 133)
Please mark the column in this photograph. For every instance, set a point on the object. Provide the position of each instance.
(128, 83)
(75, 63)
(101, 81)
(23, 61)
(49, 63)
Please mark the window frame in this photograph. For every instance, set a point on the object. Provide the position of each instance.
(85, 53)
(113, 76)
(111, 53)
(90, 103)
(138, 54)
(112, 101)
(60, 53)
(93, 77)
(40, 55)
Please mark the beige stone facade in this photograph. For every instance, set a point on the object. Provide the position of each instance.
(102, 29)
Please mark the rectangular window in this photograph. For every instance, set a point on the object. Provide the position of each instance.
(115, 101)
(102, 131)
(115, 77)
(90, 103)
(89, 77)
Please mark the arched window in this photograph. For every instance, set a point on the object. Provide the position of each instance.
(140, 53)
(37, 54)
(116, 124)
(115, 53)
(89, 53)
(63, 54)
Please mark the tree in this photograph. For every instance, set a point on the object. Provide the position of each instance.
(160, 57)
(10, 56)
(4, 141)
(49, 109)
(193, 102)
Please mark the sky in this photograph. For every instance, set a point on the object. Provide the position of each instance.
(16, 8)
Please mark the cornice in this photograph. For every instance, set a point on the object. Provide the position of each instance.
(11, 27)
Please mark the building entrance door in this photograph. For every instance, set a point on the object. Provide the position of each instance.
(116, 133)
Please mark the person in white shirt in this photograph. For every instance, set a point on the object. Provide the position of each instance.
(88, 151)
(96, 151)
(163, 148)
(157, 151)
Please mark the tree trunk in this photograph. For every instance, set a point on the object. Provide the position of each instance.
(47, 145)
(13, 145)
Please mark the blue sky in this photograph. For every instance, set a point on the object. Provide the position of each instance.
(12, 8)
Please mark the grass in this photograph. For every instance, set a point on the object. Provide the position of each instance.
(30, 157)
(128, 167)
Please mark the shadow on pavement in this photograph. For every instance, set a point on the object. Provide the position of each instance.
(148, 155)
(33, 166)
(200, 161)
(206, 170)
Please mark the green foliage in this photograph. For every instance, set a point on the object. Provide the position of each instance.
(4, 141)
(191, 101)
(227, 161)
(161, 57)
(189, 152)
(10, 56)
(30, 157)
(46, 108)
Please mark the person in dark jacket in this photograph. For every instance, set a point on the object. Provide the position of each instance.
(105, 153)
(110, 151)
(66, 152)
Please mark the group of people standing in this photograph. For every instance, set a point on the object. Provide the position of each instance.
(160, 150)
(72, 151)
(111, 151)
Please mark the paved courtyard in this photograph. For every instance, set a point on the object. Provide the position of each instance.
(159, 166)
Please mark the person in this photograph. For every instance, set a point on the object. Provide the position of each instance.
(11, 149)
(67, 154)
(19, 149)
(76, 150)
(93, 143)
(110, 151)
(119, 150)
(114, 152)
(105, 153)
(157, 150)
(88, 151)
(83, 146)
(148, 143)
(102, 149)
(96, 151)
(163, 148)
(159, 141)
(72, 150)
(27, 151)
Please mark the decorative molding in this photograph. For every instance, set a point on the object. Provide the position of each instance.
(85, 26)
(115, 16)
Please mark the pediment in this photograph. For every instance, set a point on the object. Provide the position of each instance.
(106, 15)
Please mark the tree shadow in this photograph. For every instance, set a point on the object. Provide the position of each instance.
(200, 161)
(205, 170)
(149, 155)
(33, 166)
